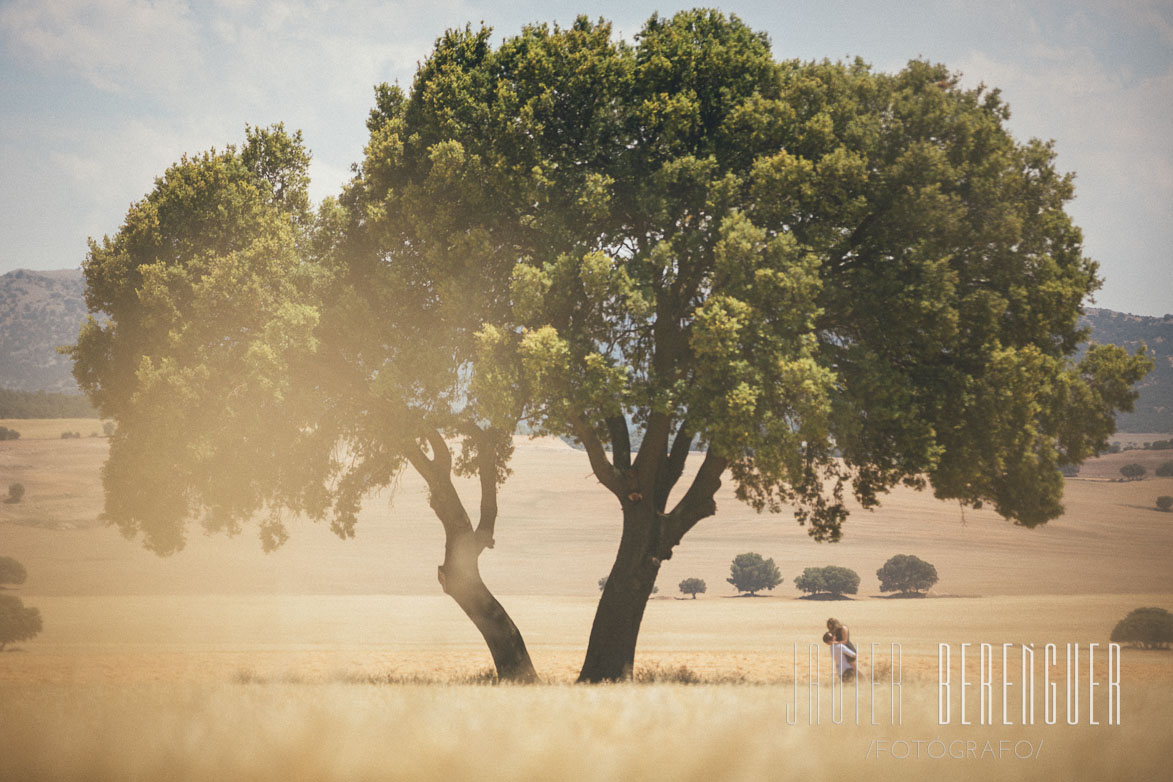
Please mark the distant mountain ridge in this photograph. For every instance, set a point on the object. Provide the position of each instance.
(41, 310)
(1154, 409)
(38, 312)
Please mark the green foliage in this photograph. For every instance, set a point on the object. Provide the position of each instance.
(1164, 502)
(906, 573)
(1164, 469)
(693, 586)
(42, 404)
(750, 573)
(832, 579)
(8, 434)
(15, 492)
(1133, 472)
(11, 571)
(1151, 628)
(206, 357)
(17, 623)
(793, 262)
(1159, 445)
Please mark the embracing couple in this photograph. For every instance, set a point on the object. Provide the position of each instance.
(838, 637)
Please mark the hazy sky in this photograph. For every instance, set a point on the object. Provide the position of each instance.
(100, 96)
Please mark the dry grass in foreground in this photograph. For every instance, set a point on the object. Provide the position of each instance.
(650, 732)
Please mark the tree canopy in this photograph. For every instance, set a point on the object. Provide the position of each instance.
(17, 623)
(906, 573)
(832, 580)
(258, 358)
(1151, 628)
(826, 278)
(751, 573)
(11, 571)
(693, 586)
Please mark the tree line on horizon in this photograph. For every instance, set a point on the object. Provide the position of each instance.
(813, 278)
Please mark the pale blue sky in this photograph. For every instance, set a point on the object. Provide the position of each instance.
(100, 96)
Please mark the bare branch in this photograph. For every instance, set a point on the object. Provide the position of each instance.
(597, 455)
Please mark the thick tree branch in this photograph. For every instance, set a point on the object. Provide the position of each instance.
(653, 451)
(671, 470)
(697, 503)
(620, 442)
(602, 468)
(441, 455)
(487, 471)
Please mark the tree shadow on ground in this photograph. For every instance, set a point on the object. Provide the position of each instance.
(903, 596)
(824, 596)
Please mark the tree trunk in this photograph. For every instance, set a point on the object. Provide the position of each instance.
(611, 651)
(460, 578)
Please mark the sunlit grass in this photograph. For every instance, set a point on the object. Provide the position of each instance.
(360, 731)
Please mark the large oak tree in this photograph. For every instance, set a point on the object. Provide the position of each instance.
(816, 279)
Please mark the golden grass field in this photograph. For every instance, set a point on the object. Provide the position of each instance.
(333, 659)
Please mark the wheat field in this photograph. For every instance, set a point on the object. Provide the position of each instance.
(333, 659)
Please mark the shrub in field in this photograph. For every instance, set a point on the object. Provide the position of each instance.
(1133, 472)
(832, 579)
(1165, 469)
(15, 492)
(906, 573)
(693, 586)
(8, 434)
(1150, 628)
(750, 573)
(11, 571)
(17, 623)
(1164, 502)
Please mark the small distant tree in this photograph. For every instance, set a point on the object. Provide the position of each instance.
(693, 586)
(11, 571)
(750, 573)
(1151, 628)
(1164, 502)
(906, 573)
(1133, 472)
(833, 580)
(17, 623)
(1165, 470)
(8, 434)
(602, 583)
(15, 492)
(1069, 470)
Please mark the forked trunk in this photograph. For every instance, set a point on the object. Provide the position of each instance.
(460, 575)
